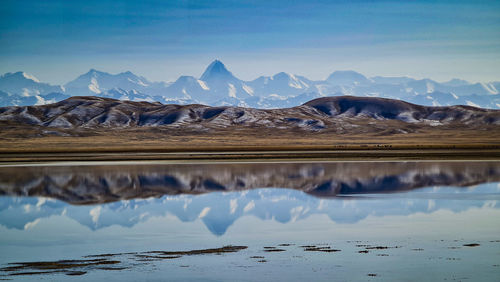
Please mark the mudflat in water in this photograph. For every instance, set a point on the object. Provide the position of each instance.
(349, 221)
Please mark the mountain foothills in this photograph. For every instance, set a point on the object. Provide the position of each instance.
(337, 114)
(105, 124)
(217, 86)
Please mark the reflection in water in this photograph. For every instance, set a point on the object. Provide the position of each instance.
(218, 211)
(295, 219)
(101, 184)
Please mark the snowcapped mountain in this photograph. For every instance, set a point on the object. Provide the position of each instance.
(23, 84)
(7, 99)
(282, 84)
(429, 86)
(96, 82)
(188, 87)
(218, 86)
(134, 95)
(222, 84)
(217, 71)
(347, 78)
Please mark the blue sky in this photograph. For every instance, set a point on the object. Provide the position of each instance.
(58, 40)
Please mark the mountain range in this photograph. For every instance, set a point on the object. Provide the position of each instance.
(217, 86)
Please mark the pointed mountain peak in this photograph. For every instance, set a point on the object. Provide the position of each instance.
(282, 75)
(216, 70)
(185, 78)
(95, 72)
(127, 74)
(90, 73)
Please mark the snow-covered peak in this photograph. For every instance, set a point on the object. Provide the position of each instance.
(282, 75)
(290, 80)
(94, 72)
(216, 70)
(87, 79)
(24, 84)
(95, 81)
(20, 75)
(347, 77)
(29, 76)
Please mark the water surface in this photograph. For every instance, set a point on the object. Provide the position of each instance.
(352, 221)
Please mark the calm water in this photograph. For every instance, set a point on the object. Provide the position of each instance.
(346, 221)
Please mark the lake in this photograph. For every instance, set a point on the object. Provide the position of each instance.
(245, 221)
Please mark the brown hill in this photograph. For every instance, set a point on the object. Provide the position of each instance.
(317, 114)
(106, 124)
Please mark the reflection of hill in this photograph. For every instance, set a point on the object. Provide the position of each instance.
(100, 184)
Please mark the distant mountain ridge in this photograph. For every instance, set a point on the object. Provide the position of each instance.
(217, 86)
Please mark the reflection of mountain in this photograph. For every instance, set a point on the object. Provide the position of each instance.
(218, 211)
(82, 185)
(126, 187)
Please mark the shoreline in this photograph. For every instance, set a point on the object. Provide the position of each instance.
(230, 162)
(414, 154)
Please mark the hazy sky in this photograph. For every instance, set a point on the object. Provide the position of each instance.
(59, 40)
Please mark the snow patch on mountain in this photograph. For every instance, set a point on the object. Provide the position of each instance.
(94, 86)
(248, 89)
(232, 90)
(31, 77)
(203, 85)
(469, 103)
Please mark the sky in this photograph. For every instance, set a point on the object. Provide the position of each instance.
(57, 40)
